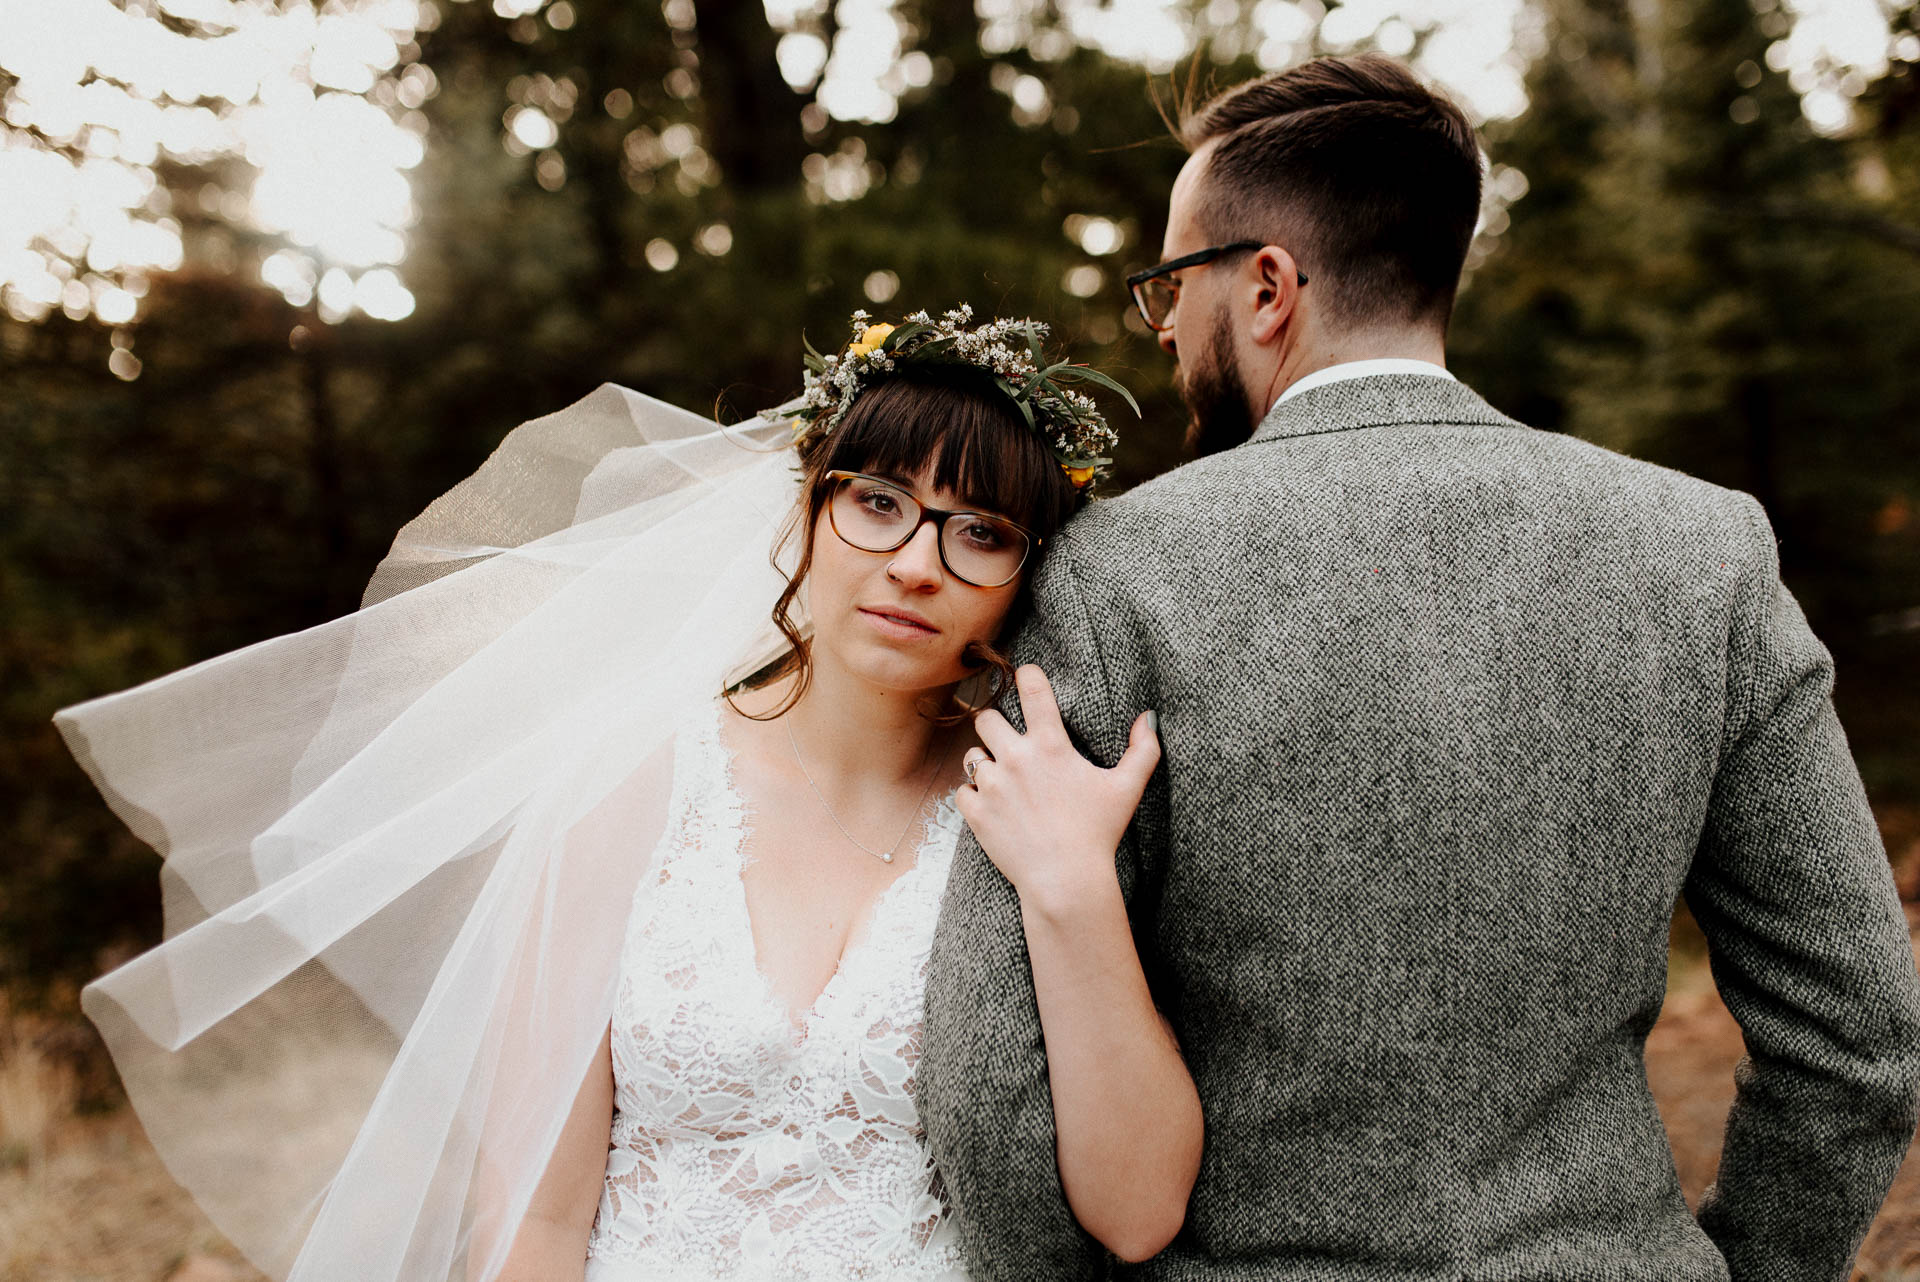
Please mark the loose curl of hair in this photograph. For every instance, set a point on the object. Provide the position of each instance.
(956, 426)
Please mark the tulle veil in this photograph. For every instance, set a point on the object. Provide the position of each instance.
(401, 848)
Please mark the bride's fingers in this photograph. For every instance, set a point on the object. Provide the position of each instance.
(1037, 703)
(1137, 763)
(996, 732)
(964, 800)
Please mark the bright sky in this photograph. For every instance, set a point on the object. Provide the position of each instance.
(310, 116)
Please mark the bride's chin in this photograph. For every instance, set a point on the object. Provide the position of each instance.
(899, 670)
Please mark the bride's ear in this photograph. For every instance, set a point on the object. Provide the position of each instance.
(992, 677)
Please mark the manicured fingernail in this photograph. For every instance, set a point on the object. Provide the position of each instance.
(1153, 721)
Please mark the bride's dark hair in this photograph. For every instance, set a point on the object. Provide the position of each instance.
(978, 445)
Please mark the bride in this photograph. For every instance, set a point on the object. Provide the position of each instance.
(564, 911)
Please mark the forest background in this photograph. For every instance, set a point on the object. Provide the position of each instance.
(1699, 246)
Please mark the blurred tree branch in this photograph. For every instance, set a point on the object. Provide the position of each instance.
(1873, 226)
(753, 115)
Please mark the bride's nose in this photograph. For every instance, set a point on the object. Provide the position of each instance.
(916, 564)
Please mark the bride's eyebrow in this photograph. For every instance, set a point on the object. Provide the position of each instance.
(985, 507)
(892, 477)
(969, 502)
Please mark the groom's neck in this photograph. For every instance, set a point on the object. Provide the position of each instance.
(1320, 351)
(1421, 344)
(1270, 373)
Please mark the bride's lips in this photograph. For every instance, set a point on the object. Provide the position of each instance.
(898, 623)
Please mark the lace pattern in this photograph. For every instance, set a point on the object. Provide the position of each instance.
(747, 1146)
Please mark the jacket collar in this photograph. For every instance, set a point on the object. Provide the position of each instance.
(1380, 400)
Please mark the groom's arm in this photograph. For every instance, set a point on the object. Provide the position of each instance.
(983, 1090)
(1810, 950)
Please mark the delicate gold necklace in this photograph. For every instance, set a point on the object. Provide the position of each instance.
(884, 856)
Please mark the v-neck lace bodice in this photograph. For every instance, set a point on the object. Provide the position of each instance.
(751, 1143)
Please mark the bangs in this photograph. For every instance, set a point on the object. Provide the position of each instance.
(964, 433)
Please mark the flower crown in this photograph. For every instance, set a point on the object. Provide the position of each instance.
(1067, 422)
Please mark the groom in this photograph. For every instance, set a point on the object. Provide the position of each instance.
(1453, 711)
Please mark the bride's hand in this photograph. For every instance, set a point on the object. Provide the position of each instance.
(1048, 818)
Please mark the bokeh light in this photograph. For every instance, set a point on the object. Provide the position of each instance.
(280, 107)
(307, 120)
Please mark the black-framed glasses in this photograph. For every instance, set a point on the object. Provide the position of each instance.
(1156, 290)
(876, 515)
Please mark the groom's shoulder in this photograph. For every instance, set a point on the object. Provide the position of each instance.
(1142, 517)
(1147, 535)
(1593, 482)
(1167, 498)
(1524, 458)
(1562, 478)
(1576, 465)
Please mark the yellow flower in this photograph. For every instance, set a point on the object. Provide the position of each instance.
(1080, 476)
(798, 426)
(875, 335)
(859, 349)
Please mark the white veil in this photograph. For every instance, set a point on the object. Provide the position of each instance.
(401, 848)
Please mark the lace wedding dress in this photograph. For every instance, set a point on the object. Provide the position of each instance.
(750, 1145)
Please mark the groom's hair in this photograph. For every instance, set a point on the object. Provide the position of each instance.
(1370, 179)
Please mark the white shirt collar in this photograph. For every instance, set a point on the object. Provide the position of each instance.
(1364, 369)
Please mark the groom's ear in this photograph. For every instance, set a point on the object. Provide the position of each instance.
(1276, 292)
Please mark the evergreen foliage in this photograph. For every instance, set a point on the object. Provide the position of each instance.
(1691, 275)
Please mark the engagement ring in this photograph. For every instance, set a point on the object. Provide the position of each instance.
(971, 764)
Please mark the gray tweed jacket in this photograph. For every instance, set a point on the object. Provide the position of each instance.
(1454, 711)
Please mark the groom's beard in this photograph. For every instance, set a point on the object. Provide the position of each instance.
(1215, 396)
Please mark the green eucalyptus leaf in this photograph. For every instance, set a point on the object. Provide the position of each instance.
(1026, 407)
(1081, 373)
(815, 361)
(1042, 375)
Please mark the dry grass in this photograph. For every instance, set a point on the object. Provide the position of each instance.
(37, 1094)
(100, 1208)
(85, 1199)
